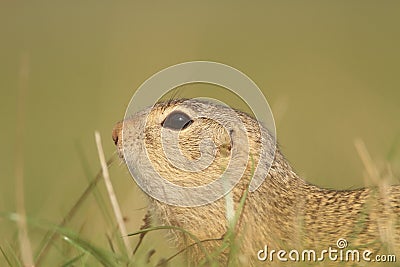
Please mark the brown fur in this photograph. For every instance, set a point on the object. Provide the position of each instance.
(285, 211)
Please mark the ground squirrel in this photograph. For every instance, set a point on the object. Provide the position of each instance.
(284, 212)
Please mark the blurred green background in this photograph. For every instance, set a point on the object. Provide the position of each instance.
(329, 69)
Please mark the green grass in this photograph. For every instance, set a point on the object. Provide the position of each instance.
(75, 250)
(78, 251)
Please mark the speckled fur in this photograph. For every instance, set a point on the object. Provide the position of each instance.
(285, 212)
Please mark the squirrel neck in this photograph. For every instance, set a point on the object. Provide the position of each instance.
(285, 195)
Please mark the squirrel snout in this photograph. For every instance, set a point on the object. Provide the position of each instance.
(116, 133)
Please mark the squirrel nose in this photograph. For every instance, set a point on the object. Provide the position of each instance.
(116, 133)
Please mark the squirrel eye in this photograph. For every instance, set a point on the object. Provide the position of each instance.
(177, 121)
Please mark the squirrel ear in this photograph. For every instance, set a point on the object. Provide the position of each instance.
(225, 149)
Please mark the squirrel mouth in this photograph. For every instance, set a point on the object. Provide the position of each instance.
(120, 154)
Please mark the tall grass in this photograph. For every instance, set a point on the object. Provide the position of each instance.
(121, 249)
